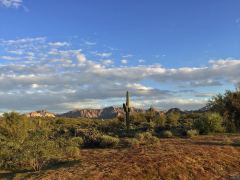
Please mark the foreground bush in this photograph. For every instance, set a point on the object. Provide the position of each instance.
(37, 151)
(131, 142)
(147, 138)
(72, 152)
(209, 123)
(94, 138)
(167, 134)
(228, 105)
(108, 141)
(91, 137)
(192, 133)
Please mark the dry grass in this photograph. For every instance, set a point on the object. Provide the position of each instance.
(204, 157)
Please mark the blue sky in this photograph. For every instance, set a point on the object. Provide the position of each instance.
(167, 53)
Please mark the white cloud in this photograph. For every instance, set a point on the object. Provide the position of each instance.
(124, 61)
(89, 43)
(103, 55)
(127, 56)
(11, 3)
(107, 62)
(23, 41)
(10, 58)
(55, 79)
(59, 44)
(81, 58)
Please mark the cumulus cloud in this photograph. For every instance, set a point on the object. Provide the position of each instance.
(103, 55)
(58, 78)
(107, 62)
(59, 44)
(11, 58)
(124, 61)
(81, 58)
(11, 3)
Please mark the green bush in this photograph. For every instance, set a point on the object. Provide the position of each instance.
(209, 123)
(191, 133)
(72, 152)
(131, 142)
(172, 120)
(186, 123)
(160, 121)
(167, 134)
(9, 154)
(94, 138)
(228, 105)
(147, 138)
(91, 137)
(76, 141)
(108, 141)
(37, 151)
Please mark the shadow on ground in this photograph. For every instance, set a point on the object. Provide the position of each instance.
(9, 175)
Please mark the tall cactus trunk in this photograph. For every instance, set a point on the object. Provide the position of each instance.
(127, 110)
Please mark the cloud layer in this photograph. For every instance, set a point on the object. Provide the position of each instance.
(11, 3)
(36, 73)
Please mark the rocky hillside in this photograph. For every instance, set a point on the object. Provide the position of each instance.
(105, 113)
(41, 113)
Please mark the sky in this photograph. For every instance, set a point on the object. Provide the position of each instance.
(61, 55)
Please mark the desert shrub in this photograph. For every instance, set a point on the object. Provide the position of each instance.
(108, 141)
(9, 154)
(72, 152)
(172, 120)
(64, 142)
(167, 134)
(69, 147)
(24, 143)
(111, 126)
(91, 137)
(146, 126)
(76, 141)
(131, 142)
(191, 133)
(14, 126)
(137, 118)
(147, 138)
(150, 114)
(94, 138)
(186, 123)
(160, 121)
(228, 105)
(209, 123)
(37, 151)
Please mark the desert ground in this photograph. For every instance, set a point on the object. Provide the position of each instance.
(202, 157)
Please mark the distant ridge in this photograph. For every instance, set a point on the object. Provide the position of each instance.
(105, 113)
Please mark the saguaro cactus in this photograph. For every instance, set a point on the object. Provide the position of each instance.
(127, 110)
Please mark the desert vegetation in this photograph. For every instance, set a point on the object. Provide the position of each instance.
(37, 144)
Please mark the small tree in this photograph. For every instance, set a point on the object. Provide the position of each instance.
(209, 122)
